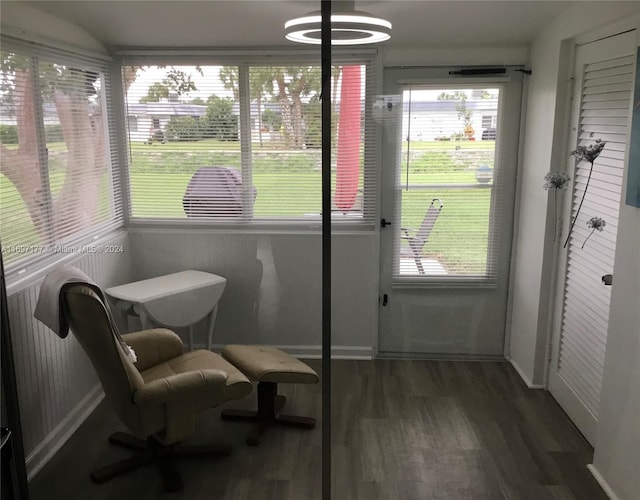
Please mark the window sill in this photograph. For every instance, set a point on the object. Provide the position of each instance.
(427, 282)
(272, 227)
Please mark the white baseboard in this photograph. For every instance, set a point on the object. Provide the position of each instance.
(315, 351)
(62, 432)
(524, 378)
(602, 482)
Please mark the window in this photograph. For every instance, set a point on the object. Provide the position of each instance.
(222, 151)
(488, 121)
(445, 184)
(56, 187)
(133, 123)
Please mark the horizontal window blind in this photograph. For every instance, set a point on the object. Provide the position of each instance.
(185, 155)
(57, 188)
(240, 144)
(446, 184)
(606, 98)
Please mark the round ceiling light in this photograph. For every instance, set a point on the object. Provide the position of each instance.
(347, 28)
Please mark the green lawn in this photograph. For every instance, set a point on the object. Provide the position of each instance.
(460, 235)
(160, 173)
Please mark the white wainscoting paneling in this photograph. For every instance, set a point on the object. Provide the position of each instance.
(57, 385)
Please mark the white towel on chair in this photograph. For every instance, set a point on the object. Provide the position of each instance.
(50, 308)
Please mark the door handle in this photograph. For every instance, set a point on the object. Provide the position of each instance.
(607, 279)
(384, 223)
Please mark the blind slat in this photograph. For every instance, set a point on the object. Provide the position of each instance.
(59, 187)
(448, 184)
(217, 160)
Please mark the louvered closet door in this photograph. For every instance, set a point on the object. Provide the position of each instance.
(602, 104)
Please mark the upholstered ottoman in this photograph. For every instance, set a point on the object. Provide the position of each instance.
(269, 367)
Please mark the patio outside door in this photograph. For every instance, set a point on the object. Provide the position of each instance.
(449, 156)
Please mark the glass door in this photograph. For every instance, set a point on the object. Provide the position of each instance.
(448, 195)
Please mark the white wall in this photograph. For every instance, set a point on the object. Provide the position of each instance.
(24, 21)
(282, 306)
(543, 151)
(419, 56)
(617, 456)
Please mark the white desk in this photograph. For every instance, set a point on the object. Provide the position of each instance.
(174, 300)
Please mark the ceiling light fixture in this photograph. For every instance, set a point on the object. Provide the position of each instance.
(348, 27)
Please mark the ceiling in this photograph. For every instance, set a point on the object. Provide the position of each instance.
(255, 23)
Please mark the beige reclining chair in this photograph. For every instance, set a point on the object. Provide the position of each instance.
(159, 396)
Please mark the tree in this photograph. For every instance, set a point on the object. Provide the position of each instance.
(458, 95)
(292, 84)
(462, 111)
(80, 115)
(287, 85)
(176, 80)
(219, 122)
(260, 83)
(157, 91)
(79, 111)
(183, 128)
(271, 119)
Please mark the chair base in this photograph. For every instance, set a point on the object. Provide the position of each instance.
(268, 414)
(152, 451)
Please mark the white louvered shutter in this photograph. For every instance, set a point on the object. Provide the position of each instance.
(604, 113)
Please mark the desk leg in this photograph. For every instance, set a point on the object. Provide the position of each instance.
(145, 322)
(125, 309)
(124, 315)
(212, 322)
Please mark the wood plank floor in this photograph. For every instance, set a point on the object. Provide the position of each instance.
(402, 430)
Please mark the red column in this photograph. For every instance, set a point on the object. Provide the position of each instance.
(348, 166)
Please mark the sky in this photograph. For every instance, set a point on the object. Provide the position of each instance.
(208, 84)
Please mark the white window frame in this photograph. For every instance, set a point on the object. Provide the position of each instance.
(132, 123)
(85, 240)
(245, 59)
(507, 124)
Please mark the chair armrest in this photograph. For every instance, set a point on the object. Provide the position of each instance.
(180, 385)
(153, 347)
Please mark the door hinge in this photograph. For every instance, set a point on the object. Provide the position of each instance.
(385, 300)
